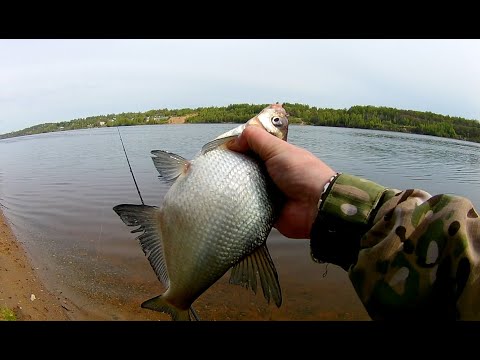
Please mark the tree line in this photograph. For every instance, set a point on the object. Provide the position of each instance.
(365, 117)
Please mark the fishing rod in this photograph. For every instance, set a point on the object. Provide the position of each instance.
(135, 181)
(194, 313)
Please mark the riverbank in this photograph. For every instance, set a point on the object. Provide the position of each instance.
(19, 281)
(21, 291)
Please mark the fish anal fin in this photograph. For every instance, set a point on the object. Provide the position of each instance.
(169, 165)
(259, 262)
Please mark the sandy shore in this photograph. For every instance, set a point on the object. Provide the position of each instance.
(20, 288)
(317, 298)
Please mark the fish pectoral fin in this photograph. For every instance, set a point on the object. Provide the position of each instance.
(259, 262)
(169, 165)
(216, 143)
(159, 304)
(146, 217)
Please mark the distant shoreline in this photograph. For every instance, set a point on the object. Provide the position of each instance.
(181, 121)
(356, 117)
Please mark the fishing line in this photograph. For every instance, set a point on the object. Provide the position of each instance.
(326, 270)
(135, 181)
(1, 205)
(194, 313)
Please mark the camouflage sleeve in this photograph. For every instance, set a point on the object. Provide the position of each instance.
(408, 254)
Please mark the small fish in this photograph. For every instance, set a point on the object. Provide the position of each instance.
(216, 216)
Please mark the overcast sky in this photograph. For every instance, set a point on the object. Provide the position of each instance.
(58, 80)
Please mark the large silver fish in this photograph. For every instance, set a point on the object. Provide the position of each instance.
(216, 216)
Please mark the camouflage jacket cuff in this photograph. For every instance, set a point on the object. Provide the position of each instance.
(346, 212)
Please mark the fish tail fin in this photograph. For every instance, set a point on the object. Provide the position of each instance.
(158, 303)
(147, 218)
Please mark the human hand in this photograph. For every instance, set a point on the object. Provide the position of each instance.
(299, 174)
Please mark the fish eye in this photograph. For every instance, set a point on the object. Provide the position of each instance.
(276, 121)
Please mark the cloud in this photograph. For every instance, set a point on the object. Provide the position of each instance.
(56, 80)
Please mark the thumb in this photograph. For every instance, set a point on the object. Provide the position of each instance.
(260, 141)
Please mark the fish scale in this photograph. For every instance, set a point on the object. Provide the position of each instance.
(223, 231)
(216, 216)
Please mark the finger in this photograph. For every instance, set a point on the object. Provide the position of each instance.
(240, 144)
(260, 141)
(263, 143)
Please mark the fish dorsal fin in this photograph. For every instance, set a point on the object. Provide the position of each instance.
(259, 262)
(216, 143)
(169, 165)
(145, 216)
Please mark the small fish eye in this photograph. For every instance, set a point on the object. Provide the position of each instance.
(276, 121)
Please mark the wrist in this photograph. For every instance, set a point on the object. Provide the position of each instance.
(317, 193)
(344, 215)
(326, 189)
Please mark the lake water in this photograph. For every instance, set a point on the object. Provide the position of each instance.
(57, 190)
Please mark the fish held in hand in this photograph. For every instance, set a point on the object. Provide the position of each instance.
(216, 216)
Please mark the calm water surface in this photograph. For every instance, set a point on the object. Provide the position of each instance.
(57, 190)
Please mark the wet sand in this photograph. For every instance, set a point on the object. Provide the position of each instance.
(307, 294)
(316, 298)
(20, 288)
